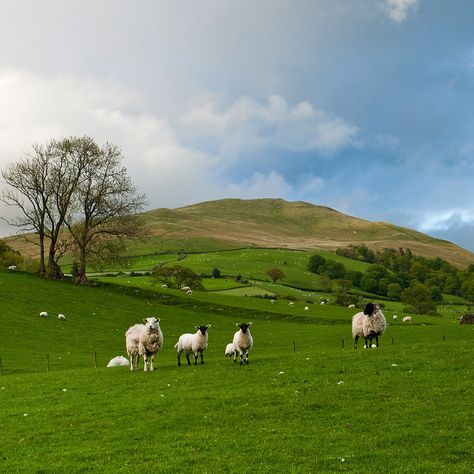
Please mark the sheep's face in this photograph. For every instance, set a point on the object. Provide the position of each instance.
(152, 324)
(244, 326)
(203, 329)
(370, 309)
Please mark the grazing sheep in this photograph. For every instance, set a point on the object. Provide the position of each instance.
(368, 324)
(243, 342)
(118, 361)
(394, 317)
(61, 317)
(229, 350)
(272, 301)
(291, 303)
(12, 267)
(185, 288)
(352, 306)
(322, 302)
(306, 308)
(406, 319)
(189, 292)
(144, 340)
(193, 343)
(164, 286)
(44, 314)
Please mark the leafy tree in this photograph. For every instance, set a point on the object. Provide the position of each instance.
(436, 293)
(419, 298)
(335, 270)
(316, 264)
(9, 256)
(275, 274)
(394, 291)
(342, 294)
(216, 273)
(176, 276)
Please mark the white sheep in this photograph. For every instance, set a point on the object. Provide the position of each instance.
(144, 340)
(44, 314)
(185, 288)
(164, 286)
(272, 301)
(189, 292)
(322, 302)
(119, 361)
(368, 324)
(306, 308)
(352, 306)
(394, 317)
(243, 342)
(193, 343)
(291, 303)
(61, 317)
(12, 267)
(229, 350)
(406, 319)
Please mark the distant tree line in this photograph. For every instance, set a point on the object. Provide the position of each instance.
(399, 275)
(77, 198)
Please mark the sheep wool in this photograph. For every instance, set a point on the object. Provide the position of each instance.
(193, 344)
(144, 340)
(243, 342)
(229, 350)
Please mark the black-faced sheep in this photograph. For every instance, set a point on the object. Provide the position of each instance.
(243, 342)
(144, 340)
(368, 324)
(193, 344)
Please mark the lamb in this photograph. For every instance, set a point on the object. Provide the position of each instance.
(229, 350)
(44, 314)
(406, 319)
(118, 361)
(144, 340)
(193, 343)
(368, 324)
(243, 342)
(61, 317)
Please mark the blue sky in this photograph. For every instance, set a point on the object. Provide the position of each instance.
(365, 106)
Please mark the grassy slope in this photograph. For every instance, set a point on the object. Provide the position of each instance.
(403, 408)
(235, 223)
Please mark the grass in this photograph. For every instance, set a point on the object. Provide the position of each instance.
(303, 404)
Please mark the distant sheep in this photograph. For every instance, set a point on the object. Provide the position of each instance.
(118, 361)
(291, 303)
(229, 350)
(61, 317)
(189, 292)
(306, 308)
(193, 344)
(368, 324)
(144, 340)
(12, 267)
(185, 288)
(322, 302)
(243, 342)
(352, 306)
(164, 286)
(272, 301)
(394, 317)
(43, 314)
(406, 319)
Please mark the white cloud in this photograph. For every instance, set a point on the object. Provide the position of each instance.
(446, 220)
(249, 125)
(260, 186)
(398, 10)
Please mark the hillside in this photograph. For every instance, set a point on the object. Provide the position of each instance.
(296, 225)
(274, 223)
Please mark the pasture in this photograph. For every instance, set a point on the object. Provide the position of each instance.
(304, 404)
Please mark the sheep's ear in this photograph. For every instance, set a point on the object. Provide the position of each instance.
(238, 325)
(208, 326)
(144, 320)
(158, 320)
(197, 327)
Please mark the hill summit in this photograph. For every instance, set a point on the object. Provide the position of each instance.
(276, 223)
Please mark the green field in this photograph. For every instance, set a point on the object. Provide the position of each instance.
(303, 404)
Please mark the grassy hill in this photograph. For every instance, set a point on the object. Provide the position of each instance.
(274, 223)
(304, 404)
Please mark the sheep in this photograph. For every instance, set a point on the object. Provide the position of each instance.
(164, 286)
(193, 343)
(368, 324)
(243, 342)
(43, 314)
(118, 361)
(306, 308)
(352, 306)
(406, 319)
(144, 340)
(272, 301)
(322, 302)
(229, 350)
(394, 317)
(189, 292)
(185, 288)
(12, 267)
(61, 317)
(374, 324)
(291, 303)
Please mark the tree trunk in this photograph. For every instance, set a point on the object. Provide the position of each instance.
(81, 279)
(42, 264)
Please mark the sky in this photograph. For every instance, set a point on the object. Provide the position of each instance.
(364, 106)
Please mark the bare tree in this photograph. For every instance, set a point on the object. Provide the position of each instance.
(30, 191)
(105, 207)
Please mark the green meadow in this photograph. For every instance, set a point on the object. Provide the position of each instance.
(307, 402)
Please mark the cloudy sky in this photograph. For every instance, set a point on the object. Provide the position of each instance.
(365, 106)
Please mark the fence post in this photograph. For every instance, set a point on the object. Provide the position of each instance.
(47, 362)
(392, 340)
(95, 360)
(0, 366)
(444, 338)
(294, 346)
(343, 343)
